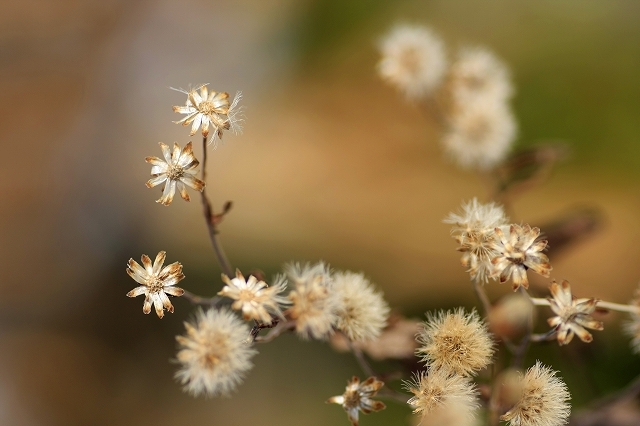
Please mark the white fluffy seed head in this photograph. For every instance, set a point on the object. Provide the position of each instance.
(314, 303)
(413, 60)
(214, 354)
(544, 400)
(362, 311)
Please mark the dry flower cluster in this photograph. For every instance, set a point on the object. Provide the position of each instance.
(449, 373)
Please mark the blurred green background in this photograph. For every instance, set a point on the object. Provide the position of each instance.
(332, 165)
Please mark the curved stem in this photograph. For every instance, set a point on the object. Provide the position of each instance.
(199, 300)
(275, 331)
(209, 218)
(601, 304)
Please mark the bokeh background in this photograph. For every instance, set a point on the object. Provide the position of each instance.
(332, 165)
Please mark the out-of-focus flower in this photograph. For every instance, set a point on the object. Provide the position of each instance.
(177, 169)
(480, 135)
(478, 75)
(413, 60)
(156, 282)
(511, 315)
(455, 342)
(314, 301)
(439, 390)
(474, 230)
(519, 251)
(357, 397)
(543, 402)
(573, 314)
(255, 298)
(214, 354)
(362, 311)
(210, 109)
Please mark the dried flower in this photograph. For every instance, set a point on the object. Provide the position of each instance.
(439, 390)
(478, 75)
(519, 251)
(214, 354)
(255, 298)
(474, 230)
(362, 311)
(413, 60)
(544, 400)
(177, 169)
(573, 314)
(357, 397)
(210, 109)
(314, 301)
(455, 342)
(480, 134)
(156, 282)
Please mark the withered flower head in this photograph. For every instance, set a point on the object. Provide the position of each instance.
(573, 314)
(357, 397)
(177, 169)
(210, 109)
(474, 230)
(455, 342)
(156, 282)
(519, 251)
(543, 402)
(255, 298)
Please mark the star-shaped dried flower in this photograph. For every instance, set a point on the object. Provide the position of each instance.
(210, 109)
(573, 314)
(357, 397)
(519, 251)
(156, 282)
(255, 298)
(177, 169)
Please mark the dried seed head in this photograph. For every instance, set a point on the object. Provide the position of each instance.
(362, 311)
(214, 353)
(357, 397)
(413, 60)
(439, 390)
(455, 342)
(314, 303)
(543, 402)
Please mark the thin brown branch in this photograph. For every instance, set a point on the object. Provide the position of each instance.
(209, 218)
(279, 328)
(199, 300)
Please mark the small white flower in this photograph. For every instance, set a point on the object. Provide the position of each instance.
(214, 354)
(413, 60)
(573, 314)
(156, 282)
(176, 170)
(255, 298)
(210, 109)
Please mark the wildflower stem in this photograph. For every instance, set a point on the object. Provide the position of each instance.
(482, 295)
(199, 300)
(275, 332)
(393, 394)
(601, 304)
(209, 217)
(364, 364)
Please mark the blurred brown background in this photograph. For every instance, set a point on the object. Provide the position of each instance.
(332, 165)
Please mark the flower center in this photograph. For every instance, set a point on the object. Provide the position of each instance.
(207, 107)
(175, 172)
(155, 285)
